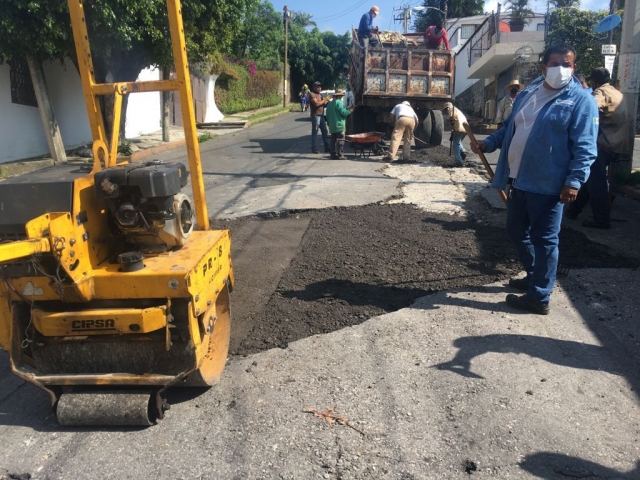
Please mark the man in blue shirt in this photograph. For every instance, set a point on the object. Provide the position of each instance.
(547, 146)
(366, 29)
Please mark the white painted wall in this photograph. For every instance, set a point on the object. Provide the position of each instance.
(21, 133)
(144, 109)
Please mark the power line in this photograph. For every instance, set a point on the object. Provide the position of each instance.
(340, 14)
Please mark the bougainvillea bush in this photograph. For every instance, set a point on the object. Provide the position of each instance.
(246, 88)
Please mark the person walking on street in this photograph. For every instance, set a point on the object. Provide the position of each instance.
(366, 28)
(336, 115)
(547, 145)
(404, 121)
(304, 97)
(457, 119)
(317, 118)
(506, 104)
(612, 143)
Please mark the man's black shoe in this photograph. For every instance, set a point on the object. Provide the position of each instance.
(315, 151)
(519, 284)
(522, 302)
(594, 224)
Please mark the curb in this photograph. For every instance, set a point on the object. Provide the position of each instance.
(147, 152)
(14, 169)
(266, 117)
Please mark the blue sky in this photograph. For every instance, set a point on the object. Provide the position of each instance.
(339, 15)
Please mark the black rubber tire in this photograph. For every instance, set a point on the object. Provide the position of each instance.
(437, 127)
(423, 132)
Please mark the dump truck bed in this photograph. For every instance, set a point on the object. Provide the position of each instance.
(402, 68)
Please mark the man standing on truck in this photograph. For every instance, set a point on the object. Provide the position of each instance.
(436, 36)
(547, 146)
(336, 116)
(405, 121)
(317, 118)
(457, 119)
(366, 28)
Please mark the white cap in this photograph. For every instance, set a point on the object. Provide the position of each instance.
(406, 103)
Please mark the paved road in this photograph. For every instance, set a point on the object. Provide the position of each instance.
(270, 167)
(455, 385)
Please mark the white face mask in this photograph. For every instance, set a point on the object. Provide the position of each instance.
(558, 77)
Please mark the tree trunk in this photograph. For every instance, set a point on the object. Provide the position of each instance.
(166, 98)
(49, 123)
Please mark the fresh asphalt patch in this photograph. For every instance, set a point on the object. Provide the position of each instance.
(356, 263)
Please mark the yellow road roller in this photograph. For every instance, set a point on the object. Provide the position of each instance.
(114, 287)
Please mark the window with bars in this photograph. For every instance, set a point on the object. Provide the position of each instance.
(22, 91)
(467, 30)
(540, 27)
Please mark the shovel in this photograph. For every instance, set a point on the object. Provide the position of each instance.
(474, 142)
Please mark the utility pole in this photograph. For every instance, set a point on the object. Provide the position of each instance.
(612, 10)
(286, 61)
(629, 68)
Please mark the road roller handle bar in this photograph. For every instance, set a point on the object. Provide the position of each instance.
(105, 150)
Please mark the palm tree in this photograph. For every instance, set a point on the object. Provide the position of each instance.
(303, 19)
(519, 12)
(565, 3)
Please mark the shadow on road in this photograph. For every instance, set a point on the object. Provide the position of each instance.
(552, 466)
(560, 352)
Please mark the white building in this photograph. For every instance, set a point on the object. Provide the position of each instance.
(460, 31)
(21, 131)
(487, 61)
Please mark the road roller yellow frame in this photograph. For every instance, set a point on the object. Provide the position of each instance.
(175, 310)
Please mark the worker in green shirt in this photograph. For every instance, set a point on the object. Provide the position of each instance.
(336, 114)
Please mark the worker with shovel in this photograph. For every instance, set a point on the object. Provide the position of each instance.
(457, 119)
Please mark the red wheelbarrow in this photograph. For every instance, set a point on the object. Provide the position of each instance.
(366, 144)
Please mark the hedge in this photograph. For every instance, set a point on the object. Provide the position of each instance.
(247, 89)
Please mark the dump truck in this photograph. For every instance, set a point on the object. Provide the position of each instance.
(114, 288)
(400, 68)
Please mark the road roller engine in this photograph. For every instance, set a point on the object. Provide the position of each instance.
(114, 287)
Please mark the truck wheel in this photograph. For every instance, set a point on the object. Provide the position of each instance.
(437, 127)
(424, 133)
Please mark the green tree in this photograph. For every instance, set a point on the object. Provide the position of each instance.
(125, 36)
(303, 19)
(565, 3)
(575, 27)
(518, 12)
(315, 55)
(261, 37)
(455, 9)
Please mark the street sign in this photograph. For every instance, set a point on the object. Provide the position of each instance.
(609, 61)
(629, 68)
(607, 23)
(608, 49)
